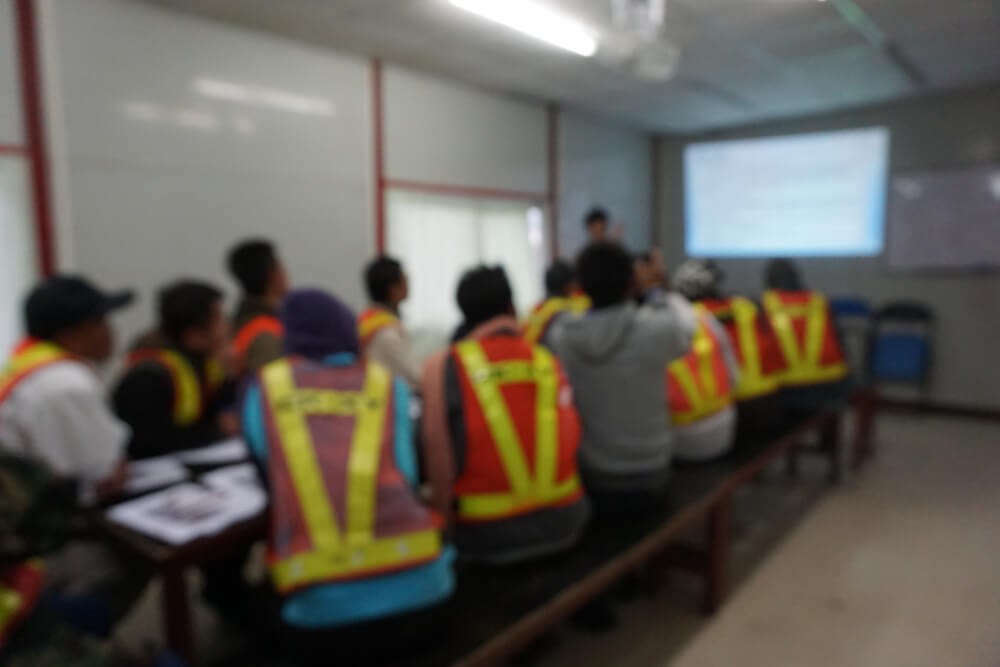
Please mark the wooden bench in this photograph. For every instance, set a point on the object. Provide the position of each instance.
(498, 613)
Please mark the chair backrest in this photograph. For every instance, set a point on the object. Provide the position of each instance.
(854, 321)
(902, 343)
(850, 307)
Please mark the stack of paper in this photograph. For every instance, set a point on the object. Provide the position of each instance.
(187, 512)
(151, 474)
(227, 451)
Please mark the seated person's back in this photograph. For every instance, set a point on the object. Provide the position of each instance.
(174, 391)
(501, 434)
(615, 356)
(350, 541)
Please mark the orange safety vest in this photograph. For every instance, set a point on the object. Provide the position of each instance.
(340, 508)
(249, 332)
(521, 433)
(537, 325)
(761, 362)
(374, 320)
(30, 356)
(808, 340)
(698, 384)
(20, 587)
(191, 394)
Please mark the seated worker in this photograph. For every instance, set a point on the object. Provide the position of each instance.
(500, 434)
(383, 338)
(816, 368)
(701, 385)
(758, 356)
(53, 414)
(256, 329)
(563, 296)
(615, 358)
(357, 560)
(174, 391)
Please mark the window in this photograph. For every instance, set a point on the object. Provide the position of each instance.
(439, 237)
(17, 248)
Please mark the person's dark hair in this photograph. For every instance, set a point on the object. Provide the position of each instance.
(606, 273)
(484, 293)
(558, 276)
(380, 275)
(252, 263)
(783, 274)
(596, 214)
(184, 305)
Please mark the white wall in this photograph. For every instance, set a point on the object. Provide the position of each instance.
(10, 89)
(443, 132)
(602, 164)
(937, 132)
(184, 136)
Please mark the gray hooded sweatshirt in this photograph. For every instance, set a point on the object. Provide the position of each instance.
(616, 359)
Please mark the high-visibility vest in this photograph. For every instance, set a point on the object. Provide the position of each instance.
(340, 508)
(249, 332)
(29, 357)
(808, 340)
(761, 363)
(191, 394)
(537, 325)
(521, 431)
(373, 321)
(20, 587)
(698, 384)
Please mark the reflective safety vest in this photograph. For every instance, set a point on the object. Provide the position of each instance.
(191, 394)
(340, 508)
(20, 587)
(249, 332)
(521, 431)
(374, 320)
(808, 340)
(29, 357)
(537, 325)
(761, 363)
(698, 384)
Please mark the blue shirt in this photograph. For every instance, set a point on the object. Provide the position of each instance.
(329, 605)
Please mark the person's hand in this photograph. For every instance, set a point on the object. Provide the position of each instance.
(229, 424)
(114, 485)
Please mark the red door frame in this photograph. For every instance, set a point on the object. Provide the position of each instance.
(35, 148)
(383, 183)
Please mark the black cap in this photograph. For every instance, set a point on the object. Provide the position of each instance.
(61, 302)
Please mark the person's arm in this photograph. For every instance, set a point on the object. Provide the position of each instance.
(405, 442)
(144, 400)
(391, 348)
(436, 445)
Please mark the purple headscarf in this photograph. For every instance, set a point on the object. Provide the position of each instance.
(318, 325)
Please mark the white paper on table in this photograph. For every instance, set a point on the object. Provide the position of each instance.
(155, 473)
(227, 451)
(187, 512)
(242, 475)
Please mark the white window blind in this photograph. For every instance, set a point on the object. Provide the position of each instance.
(18, 268)
(439, 237)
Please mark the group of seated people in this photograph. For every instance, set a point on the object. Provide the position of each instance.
(382, 471)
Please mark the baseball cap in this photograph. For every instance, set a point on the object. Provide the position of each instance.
(61, 302)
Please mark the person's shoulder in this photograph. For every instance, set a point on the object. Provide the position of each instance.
(67, 377)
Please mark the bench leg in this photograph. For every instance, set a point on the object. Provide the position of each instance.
(717, 567)
(866, 406)
(177, 613)
(830, 443)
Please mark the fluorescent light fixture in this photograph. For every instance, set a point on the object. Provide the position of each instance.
(535, 20)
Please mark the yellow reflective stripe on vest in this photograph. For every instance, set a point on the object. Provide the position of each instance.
(703, 393)
(300, 457)
(486, 379)
(539, 320)
(187, 391)
(494, 408)
(11, 603)
(370, 325)
(804, 365)
(366, 451)
(752, 381)
(33, 357)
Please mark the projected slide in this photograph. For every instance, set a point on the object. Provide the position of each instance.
(803, 195)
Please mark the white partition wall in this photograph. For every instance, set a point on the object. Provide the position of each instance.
(183, 136)
(10, 92)
(601, 164)
(441, 132)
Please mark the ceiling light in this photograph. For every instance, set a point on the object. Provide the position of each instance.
(535, 20)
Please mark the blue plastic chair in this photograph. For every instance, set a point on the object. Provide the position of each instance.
(903, 344)
(854, 322)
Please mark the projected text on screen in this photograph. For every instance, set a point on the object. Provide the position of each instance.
(803, 195)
